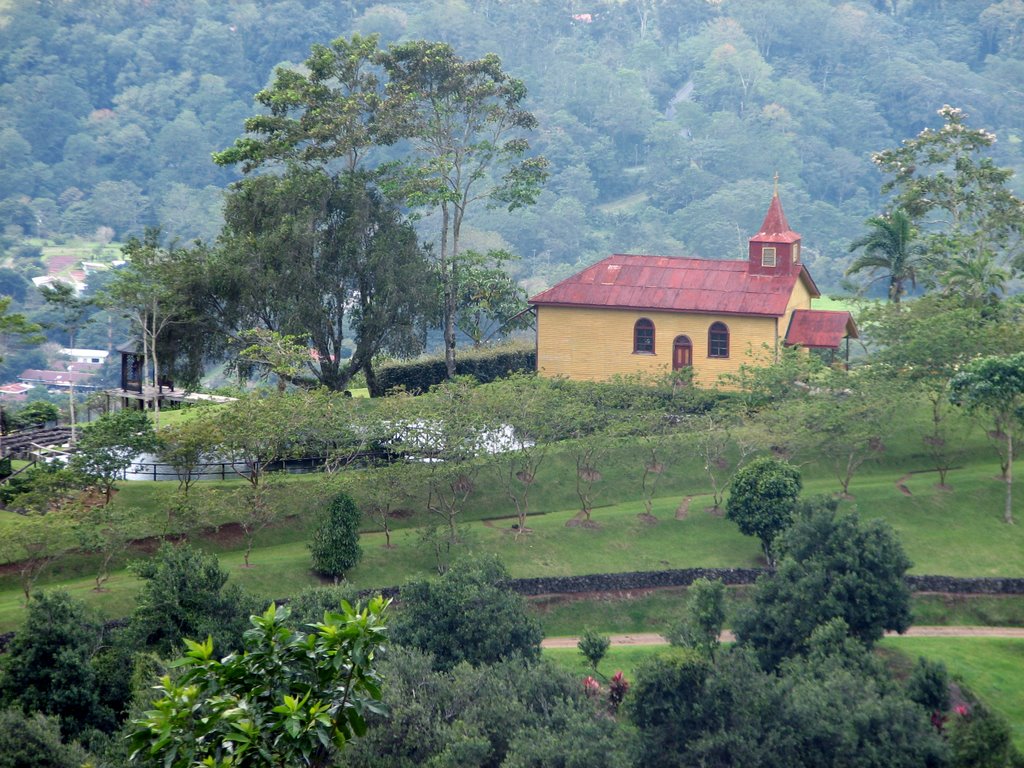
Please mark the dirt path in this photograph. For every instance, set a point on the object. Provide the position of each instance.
(652, 638)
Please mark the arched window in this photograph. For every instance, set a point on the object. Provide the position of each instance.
(718, 340)
(643, 336)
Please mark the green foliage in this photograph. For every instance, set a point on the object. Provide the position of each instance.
(309, 605)
(34, 741)
(575, 738)
(34, 414)
(593, 646)
(844, 423)
(108, 446)
(153, 291)
(830, 566)
(320, 257)
(484, 365)
(830, 709)
(995, 386)
(468, 126)
(703, 616)
(666, 703)
(762, 500)
(184, 594)
(289, 698)
(890, 247)
(489, 298)
(335, 547)
(928, 684)
(508, 713)
(15, 327)
(468, 614)
(187, 446)
(942, 177)
(47, 667)
(980, 738)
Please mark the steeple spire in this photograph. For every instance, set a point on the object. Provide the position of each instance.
(775, 249)
(775, 223)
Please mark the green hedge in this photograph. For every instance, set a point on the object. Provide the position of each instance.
(485, 365)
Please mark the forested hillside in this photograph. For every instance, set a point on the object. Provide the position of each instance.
(664, 120)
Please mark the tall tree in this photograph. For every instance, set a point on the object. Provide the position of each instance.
(109, 445)
(313, 252)
(995, 386)
(890, 252)
(322, 257)
(74, 313)
(148, 291)
(332, 108)
(961, 198)
(467, 124)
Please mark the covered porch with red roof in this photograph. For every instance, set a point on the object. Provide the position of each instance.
(822, 329)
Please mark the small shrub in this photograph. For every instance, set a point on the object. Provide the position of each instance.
(928, 685)
(593, 645)
(702, 619)
(335, 546)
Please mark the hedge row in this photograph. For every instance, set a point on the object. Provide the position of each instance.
(485, 365)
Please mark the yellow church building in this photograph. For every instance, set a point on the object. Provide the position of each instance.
(630, 314)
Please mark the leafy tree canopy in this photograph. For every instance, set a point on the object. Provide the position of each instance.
(762, 499)
(467, 614)
(830, 566)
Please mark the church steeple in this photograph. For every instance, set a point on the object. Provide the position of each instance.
(775, 249)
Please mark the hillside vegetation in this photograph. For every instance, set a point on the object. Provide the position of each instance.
(664, 121)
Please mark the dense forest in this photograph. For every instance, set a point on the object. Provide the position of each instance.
(664, 121)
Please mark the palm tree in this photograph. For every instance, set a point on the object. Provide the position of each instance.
(977, 280)
(890, 248)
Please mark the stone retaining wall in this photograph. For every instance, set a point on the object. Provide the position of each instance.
(617, 582)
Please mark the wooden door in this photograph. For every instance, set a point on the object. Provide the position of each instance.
(682, 353)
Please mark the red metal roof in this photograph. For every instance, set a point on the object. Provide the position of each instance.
(54, 377)
(775, 228)
(676, 284)
(15, 389)
(820, 328)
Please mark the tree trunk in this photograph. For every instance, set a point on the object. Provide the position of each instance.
(145, 356)
(447, 272)
(71, 395)
(1008, 511)
(156, 371)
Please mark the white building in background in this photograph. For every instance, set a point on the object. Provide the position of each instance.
(49, 280)
(91, 356)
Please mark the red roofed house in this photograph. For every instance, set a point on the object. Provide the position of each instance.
(654, 314)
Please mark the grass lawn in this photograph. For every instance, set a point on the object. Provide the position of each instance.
(990, 667)
(174, 416)
(623, 658)
(655, 610)
(955, 533)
